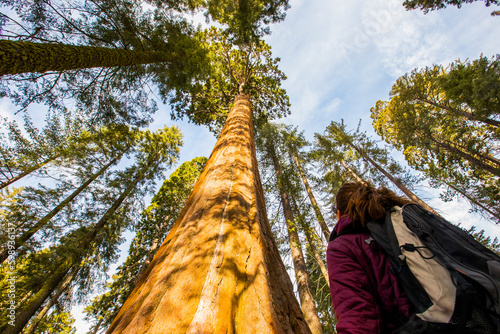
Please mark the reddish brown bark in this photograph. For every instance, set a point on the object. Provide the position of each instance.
(218, 270)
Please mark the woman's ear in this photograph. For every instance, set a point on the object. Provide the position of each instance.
(338, 214)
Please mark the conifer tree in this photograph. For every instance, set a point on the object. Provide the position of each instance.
(427, 5)
(231, 253)
(439, 119)
(90, 246)
(108, 144)
(269, 136)
(294, 141)
(110, 35)
(337, 135)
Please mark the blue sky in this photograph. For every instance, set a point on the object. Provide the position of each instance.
(342, 56)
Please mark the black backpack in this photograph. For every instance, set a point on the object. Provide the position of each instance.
(473, 270)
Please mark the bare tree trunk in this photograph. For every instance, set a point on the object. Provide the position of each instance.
(27, 311)
(52, 301)
(310, 237)
(27, 172)
(299, 263)
(218, 270)
(468, 115)
(42, 222)
(324, 228)
(98, 326)
(351, 172)
(396, 182)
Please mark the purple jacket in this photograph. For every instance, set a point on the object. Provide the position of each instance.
(367, 297)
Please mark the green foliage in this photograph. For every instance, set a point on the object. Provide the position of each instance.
(487, 241)
(247, 19)
(430, 118)
(59, 321)
(244, 69)
(338, 148)
(110, 94)
(427, 5)
(474, 86)
(85, 239)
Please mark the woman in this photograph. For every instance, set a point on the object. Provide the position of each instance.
(367, 297)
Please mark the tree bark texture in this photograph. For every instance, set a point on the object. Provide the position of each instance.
(396, 182)
(299, 262)
(41, 223)
(324, 228)
(20, 57)
(218, 270)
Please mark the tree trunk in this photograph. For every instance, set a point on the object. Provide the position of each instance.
(28, 171)
(324, 228)
(151, 254)
(474, 201)
(351, 172)
(27, 310)
(20, 57)
(310, 236)
(41, 223)
(396, 182)
(52, 301)
(218, 270)
(25, 313)
(98, 326)
(299, 263)
(469, 157)
(468, 115)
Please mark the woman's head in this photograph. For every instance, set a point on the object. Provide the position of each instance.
(361, 201)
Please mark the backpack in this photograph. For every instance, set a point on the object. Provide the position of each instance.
(452, 280)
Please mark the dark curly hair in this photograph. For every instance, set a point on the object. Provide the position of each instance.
(361, 201)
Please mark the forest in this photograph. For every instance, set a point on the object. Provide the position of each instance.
(163, 170)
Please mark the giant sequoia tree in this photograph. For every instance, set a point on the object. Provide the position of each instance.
(220, 258)
(153, 226)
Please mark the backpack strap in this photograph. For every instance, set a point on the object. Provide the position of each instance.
(384, 235)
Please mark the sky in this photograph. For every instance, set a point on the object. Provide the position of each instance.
(342, 56)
